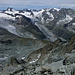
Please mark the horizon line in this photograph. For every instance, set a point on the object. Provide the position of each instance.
(4, 8)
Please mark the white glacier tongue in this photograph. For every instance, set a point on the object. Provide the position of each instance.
(12, 29)
(8, 27)
(46, 32)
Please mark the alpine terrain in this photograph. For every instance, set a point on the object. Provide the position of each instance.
(37, 42)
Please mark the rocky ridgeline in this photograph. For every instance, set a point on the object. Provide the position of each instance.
(56, 58)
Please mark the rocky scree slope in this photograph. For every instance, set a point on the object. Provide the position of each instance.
(56, 58)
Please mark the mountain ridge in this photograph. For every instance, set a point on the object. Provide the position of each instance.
(46, 20)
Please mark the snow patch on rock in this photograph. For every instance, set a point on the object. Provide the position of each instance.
(34, 60)
(51, 16)
(66, 20)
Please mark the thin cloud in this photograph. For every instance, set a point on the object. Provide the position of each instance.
(37, 3)
(68, 5)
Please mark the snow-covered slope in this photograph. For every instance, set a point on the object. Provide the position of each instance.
(5, 16)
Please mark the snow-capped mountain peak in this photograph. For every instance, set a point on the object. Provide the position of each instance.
(57, 9)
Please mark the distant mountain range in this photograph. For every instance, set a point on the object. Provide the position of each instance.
(47, 24)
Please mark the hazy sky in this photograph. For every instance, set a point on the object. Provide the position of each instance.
(36, 4)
